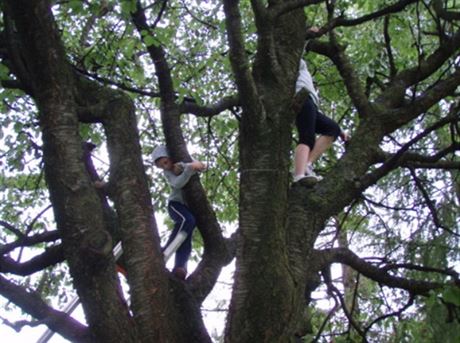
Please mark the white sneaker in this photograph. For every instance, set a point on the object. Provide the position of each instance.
(299, 177)
(309, 172)
(309, 180)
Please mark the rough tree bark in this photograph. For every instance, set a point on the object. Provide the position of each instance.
(159, 304)
(277, 266)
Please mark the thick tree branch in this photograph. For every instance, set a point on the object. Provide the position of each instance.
(238, 58)
(209, 110)
(283, 7)
(394, 8)
(451, 272)
(15, 58)
(216, 253)
(12, 229)
(392, 314)
(50, 257)
(419, 161)
(119, 85)
(392, 161)
(416, 163)
(350, 78)
(348, 314)
(27, 241)
(388, 48)
(444, 13)
(343, 255)
(31, 303)
(429, 203)
(423, 70)
(339, 21)
(400, 116)
(71, 192)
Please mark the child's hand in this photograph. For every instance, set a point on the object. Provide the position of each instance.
(178, 168)
(198, 166)
(99, 184)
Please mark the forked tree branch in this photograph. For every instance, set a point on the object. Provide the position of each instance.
(50, 257)
(31, 303)
(28, 241)
(444, 13)
(239, 60)
(211, 110)
(404, 157)
(380, 275)
(218, 251)
(392, 314)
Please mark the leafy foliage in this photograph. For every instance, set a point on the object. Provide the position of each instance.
(410, 216)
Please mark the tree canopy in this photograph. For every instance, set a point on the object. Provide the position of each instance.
(368, 254)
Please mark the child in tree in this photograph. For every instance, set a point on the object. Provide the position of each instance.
(177, 175)
(310, 121)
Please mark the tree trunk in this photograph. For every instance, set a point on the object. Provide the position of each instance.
(267, 296)
(77, 209)
(161, 308)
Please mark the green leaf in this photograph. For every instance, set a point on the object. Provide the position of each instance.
(151, 40)
(452, 295)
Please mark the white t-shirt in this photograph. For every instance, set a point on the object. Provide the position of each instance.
(304, 80)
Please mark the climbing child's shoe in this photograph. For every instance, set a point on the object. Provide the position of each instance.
(180, 272)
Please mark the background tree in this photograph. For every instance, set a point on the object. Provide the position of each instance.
(221, 76)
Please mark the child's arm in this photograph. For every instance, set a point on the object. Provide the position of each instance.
(105, 187)
(179, 181)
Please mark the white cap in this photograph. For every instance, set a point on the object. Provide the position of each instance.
(159, 152)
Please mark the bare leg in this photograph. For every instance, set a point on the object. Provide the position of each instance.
(302, 153)
(321, 145)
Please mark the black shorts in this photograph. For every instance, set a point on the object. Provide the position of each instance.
(311, 121)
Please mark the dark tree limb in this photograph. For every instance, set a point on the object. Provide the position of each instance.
(15, 58)
(450, 272)
(444, 165)
(217, 252)
(403, 157)
(27, 241)
(120, 85)
(431, 206)
(283, 7)
(392, 314)
(444, 13)
(394, 8)
(286, 6)
(354, 87)
(32, 303)
(52, 85)
(50, 257)
(349, 316)
(386, 35)
(424, 69)
(418, 161)
(211, 110)
(346, 256)
(239, 60)
(12, 229)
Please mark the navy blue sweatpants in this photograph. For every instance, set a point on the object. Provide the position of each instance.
(184, 220)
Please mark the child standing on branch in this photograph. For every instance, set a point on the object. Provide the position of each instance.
(180, 240)
(309, 122)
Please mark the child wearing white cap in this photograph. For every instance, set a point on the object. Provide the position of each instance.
(177, 175)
